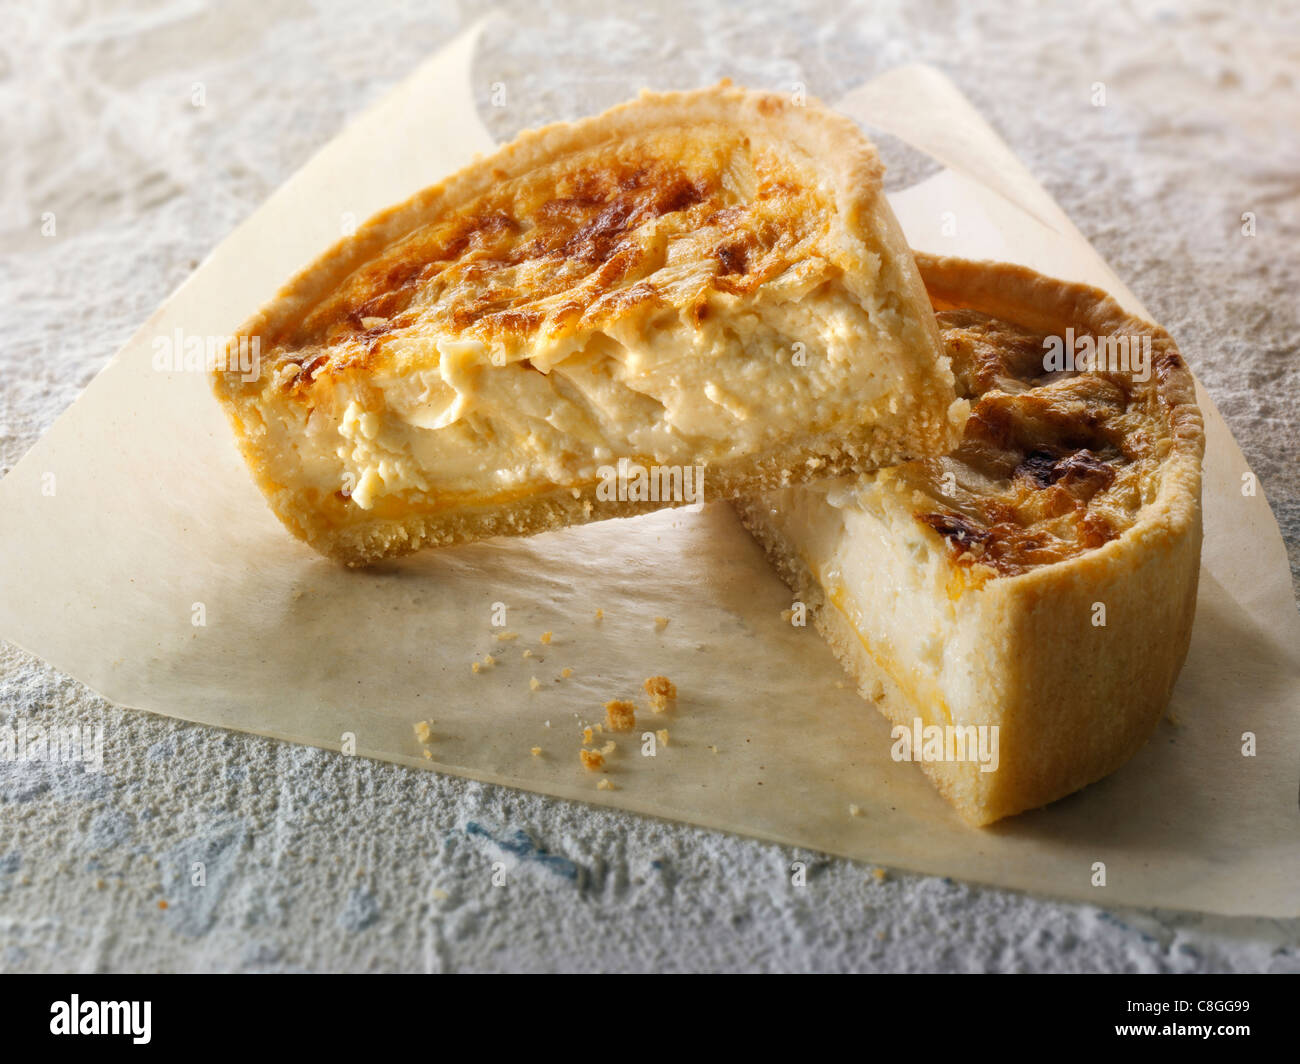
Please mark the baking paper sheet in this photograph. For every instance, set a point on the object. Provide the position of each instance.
(134, 518)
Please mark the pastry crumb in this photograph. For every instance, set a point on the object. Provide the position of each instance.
(536, 751)
(662, 736)
(586, 735)
(534, 683)
(855, 810)
(714, 749)
(476, 666)
(591, 760)
(600, 615)
(662, 692)
(880, 874)
(546, 637)
(661, 623)
(428, 755)
(605, 785)
(528, 653)
(608, 748)
(620, 715)
(423, 732)
(877, 691)
(565, 673)
(488, 659)
(506, 637)
(162, 904)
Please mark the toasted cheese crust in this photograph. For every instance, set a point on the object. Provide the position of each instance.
(1053, 462)
(1077, 419)
(579, 244)
(708, 280)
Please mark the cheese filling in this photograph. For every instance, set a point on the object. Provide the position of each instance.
(658, 391)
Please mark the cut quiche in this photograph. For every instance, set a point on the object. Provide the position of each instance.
(1029, 596)
(700, 284)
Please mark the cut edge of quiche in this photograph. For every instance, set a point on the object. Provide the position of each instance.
(692, 286)
(1041, 579)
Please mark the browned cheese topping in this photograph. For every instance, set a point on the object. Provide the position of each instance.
(1052, 464)
(572, 246)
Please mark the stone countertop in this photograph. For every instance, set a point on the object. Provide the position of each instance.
(319, 862)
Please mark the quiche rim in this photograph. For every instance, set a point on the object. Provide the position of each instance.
(1110, 702)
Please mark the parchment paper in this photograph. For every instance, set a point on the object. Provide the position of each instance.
(134, 517)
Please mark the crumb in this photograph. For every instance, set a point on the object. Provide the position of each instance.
(661, 623)
(877, 691)
(534, 683)
(565, 673)
(428, 755)
(787, 615)
(855, 810)
(591, 760)
(605, 785)
(422, 731)
(600, 615)
(599, 728)
(620, 715)
(880, 874)
(586, 735)
(548, 723)
(662, 692)
(546, 637)
(608, 748)
(528, 653)
(662, 736)
(506, 637)
(714, 749)
(100, 884)
(536, 751)
(1172, 718)
(488, 659)
(162, 904)
(477, 666)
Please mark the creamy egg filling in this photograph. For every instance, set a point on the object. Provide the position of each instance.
(667, 392)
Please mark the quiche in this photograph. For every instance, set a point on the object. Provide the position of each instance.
(1020, 608)
(591, 322)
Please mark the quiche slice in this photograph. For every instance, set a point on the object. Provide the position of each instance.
(1020, 608)
(703, 285)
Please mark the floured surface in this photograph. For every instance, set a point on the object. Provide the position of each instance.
(360, 913)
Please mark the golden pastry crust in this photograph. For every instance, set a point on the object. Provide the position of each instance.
(726, 227)
(1063, 594)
